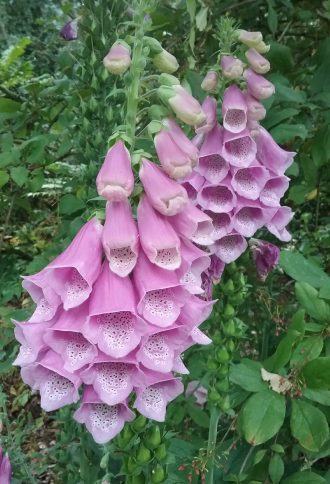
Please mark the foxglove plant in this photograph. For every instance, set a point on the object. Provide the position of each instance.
(115, 311)
(5, 468)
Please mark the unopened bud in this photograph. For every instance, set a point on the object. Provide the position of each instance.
(210, 81)
(165, 62)
(251, 39)
(232, 68)
(118, 60)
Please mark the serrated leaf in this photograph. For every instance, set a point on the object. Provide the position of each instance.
(308, 425)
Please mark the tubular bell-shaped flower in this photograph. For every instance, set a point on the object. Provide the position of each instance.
(217, 198)
(158, 239)
(118, 59)
(258, 63)
(230, 247)
(193, 224)
(271, 154)
(274, 190)
(248, 217)
(120, 238)
(212, 165)
(256, 110)
(265, 255)
(113, 324)
(103, 421)
(257, 85)
(194, 262)
(239, 149)
(165, 195)
(185, 106)
(232, 68)
(43, 295)
(279, 221)
(210, 109)
(249, 182)
(234, 110)
(30, 336)
(222, 224)
(115, 180)
(251, 39)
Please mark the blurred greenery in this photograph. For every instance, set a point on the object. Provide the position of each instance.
(58, 107)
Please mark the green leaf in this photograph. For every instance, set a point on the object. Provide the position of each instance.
(8, 106)
(247, 375)
(276, 468)
(319, 396)
(308, 298)
(308, 425)
(305, 477)
(272, 19)
(280, 57)
(286, 132)
(276, 116)
(19, 174)
(198, 416)
(307, 350)
(317, 373)
(302, 269)
(69, 204)
(201, 19)
(4, 177)
(191, 9)
(262, 416)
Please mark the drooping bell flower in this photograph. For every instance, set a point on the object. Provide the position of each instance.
(248, 217)
(165, 62)
(193, 184)
(217, 198)
(65, 339)
(158, 239)
(274, 190)
(234, 110)
(103, 421)
(185, 106)
(194, 312)
(46, 299)
(72, 274)
(158, 350)
(198, 337)
(266, 256)
(210, 109)
(279, 221)
(230, 247)
(239, 149)
(271, 154)
(161, 295)
(256, 111)
(157, 391)
(118, 59)
(120, 238)
(176, 153)
(258, 62)
(115, 180)
(212, 164)
(258, 86)
(193, 224)
(232, 68)
(113, 324)
(70, 30)
(30, 336)
(5, 468)
(222, 224)
(195, 389)
(249, 182)
(251, 39)
(194, 262)
(111, 379)
(57, 386)
(210, 81)
(165, 195)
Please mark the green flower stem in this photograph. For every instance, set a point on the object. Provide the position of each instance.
(213, 431)
(136, 72)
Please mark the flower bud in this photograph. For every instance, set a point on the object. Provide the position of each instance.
(251, 39)
(139, 423)
(185, 106)
(143, 455)
(210, 81)
(262, 48)
(153, 438)
(258, 63)
(158, 474)
(165, 62)
(118, 59)
(70, 30)
(161, 452)
(232, 68)
(258, 85)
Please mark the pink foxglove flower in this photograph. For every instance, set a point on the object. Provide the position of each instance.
(46, 299)
(5, 468)
(185, 106)
(258, 86)
(232, 68)
(271, 155)
(115, 180)
(279, 221)
(112, 322)
(118, 59)
(222, 224)
(239, 149)
(230, 247)
(248, 217)
(70, 30)
(194, 262)
(217, 198)
(103, 421)
(251, 39)
(157, 391)
(165, 195)
(249, 182)
(234, 110)
(265, 255)
(120, 238)
(195, 389)
(30, 336)
(192, 185)
(210, 81)
(256, 110)
(212, 164)
(160, 293)
(210, 109)
(193, 224)
(258, 63)
(57, 386)
(274, 190)
(159, 241)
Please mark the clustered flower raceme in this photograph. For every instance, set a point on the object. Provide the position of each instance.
(239, 179)
(117, 308)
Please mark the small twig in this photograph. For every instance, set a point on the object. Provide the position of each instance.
(288, 25)
(246, 459)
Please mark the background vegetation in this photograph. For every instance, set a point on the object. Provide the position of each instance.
(57, 109)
